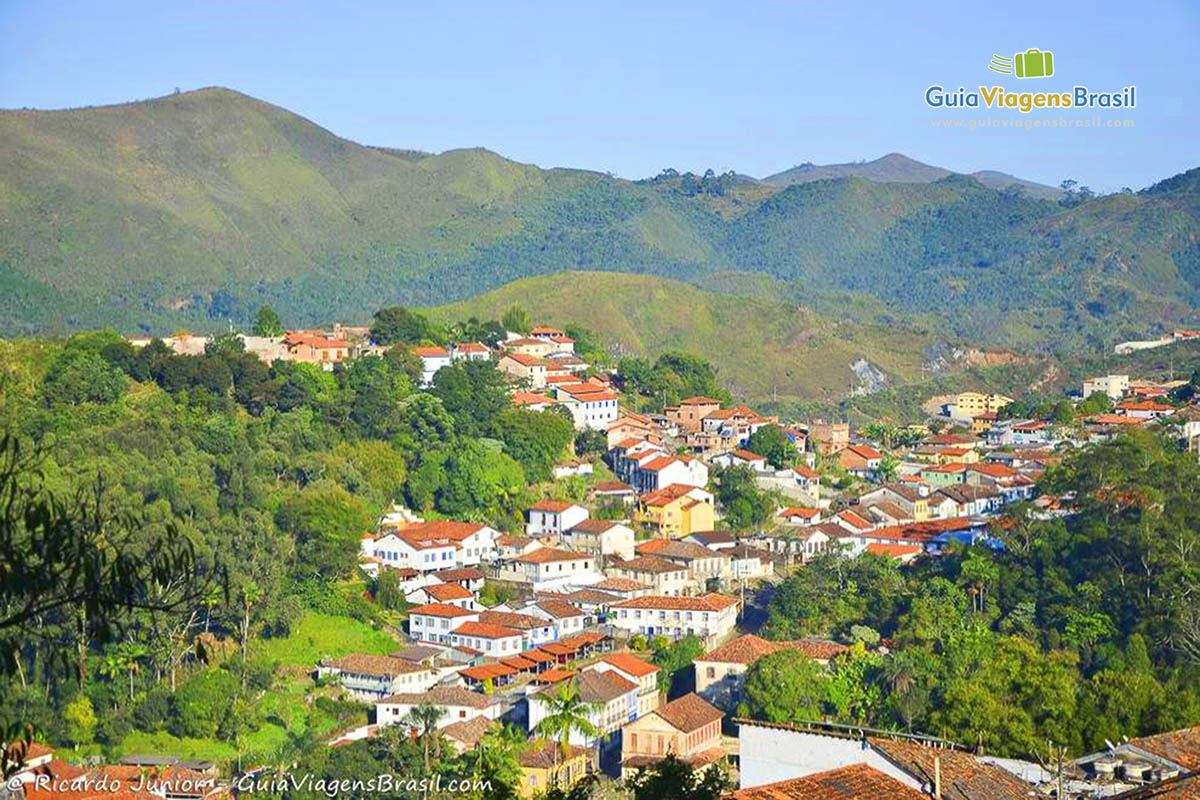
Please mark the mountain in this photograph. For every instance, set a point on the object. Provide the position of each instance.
(194, 209)
(763, 345)
(897, 168)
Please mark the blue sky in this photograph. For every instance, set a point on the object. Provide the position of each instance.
(631, 88)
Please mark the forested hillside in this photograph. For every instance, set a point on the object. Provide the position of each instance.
(193, 209)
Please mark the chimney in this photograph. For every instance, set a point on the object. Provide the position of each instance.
(937, 778)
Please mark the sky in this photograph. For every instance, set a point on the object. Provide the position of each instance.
(632, 88)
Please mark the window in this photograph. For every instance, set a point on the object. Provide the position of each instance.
(712, 672)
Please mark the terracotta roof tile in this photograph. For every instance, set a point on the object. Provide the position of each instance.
(855, 782)
(690, 712)
(630, 664)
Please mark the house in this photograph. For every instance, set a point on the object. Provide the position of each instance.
(548, 567)
(469, 578)
(472, 542)
(741, 458)
(859, 460)
(855, 782)
(530, 370)
(435, 622)
(567, 618)
(772, 752)
(1115, 386)
(966, 405)
(510, 547)
(687, 416)
(614, 701)
(798, 516)
(970, 499)
(370, 677)
(704, 565)
(677, 510)
(312, 347)
(904, 553)
(721, 672)
(400, 550)
(630, 425)
(573, 468)
(533, 401)
(470, 351)
(495, 641)
(945, 474)
(664, 577)
(750, 563)
(637, 671)
(601, 538)
(614, 491)
(852, 521)
(914, 500)
(553, 517)
(591, 406)
(464, 735)
(534, 630)
(733, 426)
(688, 728)
(529, 346)
(710, 616)
(665, 470)
(458, 703)
(801, 543)
(713, 540)
(1133, 763)
(1013, 432)
(1012, 485)
(830, 436)
(544, 768)
(448, 593)
(432, 359)
(1144, 409)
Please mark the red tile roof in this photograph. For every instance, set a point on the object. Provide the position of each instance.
(689, 713)
(630, 664)
(855, 782)
(546, 555)
(707, 602)
(441, 610)
(1181, 747)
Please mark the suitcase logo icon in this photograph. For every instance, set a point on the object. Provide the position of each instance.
(1033, 63)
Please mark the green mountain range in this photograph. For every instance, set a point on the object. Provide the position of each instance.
(194, 209)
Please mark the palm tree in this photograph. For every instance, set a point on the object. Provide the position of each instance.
(567, 713)
(125, 658)
(425, 718)
(494, 760)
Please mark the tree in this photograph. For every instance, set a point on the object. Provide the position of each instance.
(674, 660)
(398, 325)
(474, 392)
(534, 439)
(784, 686)
(81, 376)
(675, 779)
(516, 319)
(403, 360)
(327, 522)
(424, 718)
(744, 504)
(80, 717)
(566, 713)
(267, 322)
(772, 443)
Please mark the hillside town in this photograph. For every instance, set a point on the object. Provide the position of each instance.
(578, 611)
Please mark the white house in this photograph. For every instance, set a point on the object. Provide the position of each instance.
(551, 567)
(398, 550)
(741, 458)
(613, 701)
(1115, 386)
(553, 517)
(470, 351)
(711, 616)
(435, 622)
(666, 470)
(452, 594)
(492, 640)
(634, 670)
(432, 359)
(567, 618)
(371, 677)
(591, 406)
(458, 703)
(472, 542)
(601, 537)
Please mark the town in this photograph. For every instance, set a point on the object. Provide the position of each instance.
(616, 626)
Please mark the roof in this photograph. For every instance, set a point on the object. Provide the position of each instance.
(524, 360)
(713, 537)
(970, 776)
(546, 757)
(707, 602)
(894, 550)
(431, 352)
(805, 471)
(367, 664)
(674, 549)
(750, 648)
(531, 398)
(594, 526)
(668, 494)
(441, 610)
(855, 782)
(441, 696)
(1181, 747)
(552, 506)
(546, 555)
(472, 347)
(459, 574)
(559, 609)
(508, 619)
(651, 564)
(485, 630)
(597, 686)
(630, 664)
(444, 592)
(468, 732)
(612, 486)
(441, 529)
(620, 585)
(689, 713)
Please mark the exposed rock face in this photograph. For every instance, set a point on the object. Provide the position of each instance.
(870, 377)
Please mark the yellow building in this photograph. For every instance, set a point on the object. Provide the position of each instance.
(677, 510)
(968, 405)
(543, 768)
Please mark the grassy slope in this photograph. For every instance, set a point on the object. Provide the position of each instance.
(761, 343)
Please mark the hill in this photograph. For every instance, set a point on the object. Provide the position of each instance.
(763, 346)
(899, 168)
(194, 209)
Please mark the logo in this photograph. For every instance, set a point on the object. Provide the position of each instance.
(1033, 63)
